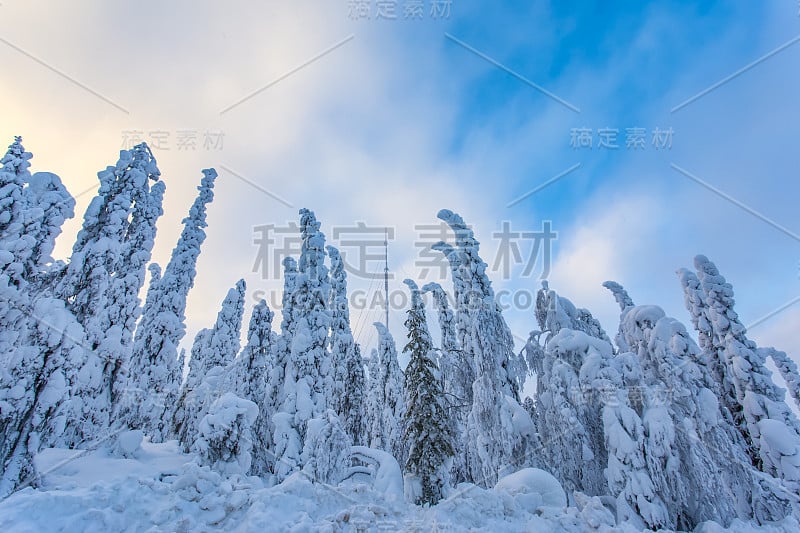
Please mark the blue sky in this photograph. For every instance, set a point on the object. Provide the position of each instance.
(404, 117)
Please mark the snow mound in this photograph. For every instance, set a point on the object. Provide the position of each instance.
(163, 489)
(540, 488)
(128, 444)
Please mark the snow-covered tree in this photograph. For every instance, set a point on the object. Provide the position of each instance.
(14, 174)
(457, 375)
(637, 500)
(326, 450)
(149, 384)
(48, 206)
(224, 441)
(555, 312)
(427, 428)
(37, 405)
(485, 329)
(569, 411)
(787, 369)
(247, 376)
(349, 384)
(385, 399)
(93, 283)
(695, 301)
(213, 350)
(694, 456)
(307, 377)
(768, 425)
(129, 278)
(625, 303)
(15, 246)
(493, 443)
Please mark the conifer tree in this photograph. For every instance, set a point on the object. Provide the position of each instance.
(149, 383)
(93, 285)
(349, 384)
(307, 386)
(213, 350)
(385, 401)
(247, 376)
(427, 430)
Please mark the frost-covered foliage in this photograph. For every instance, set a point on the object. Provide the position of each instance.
(212, 351)
(348, 394)
(428, 431)
(39, 406)
(307, 380)
(149, 384)
(569, 407)
(385, 399)
(224, 440)
(41, 350)
(637, 499)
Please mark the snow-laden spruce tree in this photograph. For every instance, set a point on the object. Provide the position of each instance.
(694, 456)
(349, 383)
(14, 175)
(554, 312)
(307, 376)
(484, 328)
(213, 350)
(769, 426)
(569, 411)
(247, 376)
(457, 375)
(37, 405)
(283, 340)
(695, 301)
(40, 342)
(493, 444)
(566, 398)
(637, 500)
(15, 246)
(385, 398)
(149, 385)
(129, 279)
(787, 369)
(326, 450)
(625, 303)
(48, 206)
(427, 429)
(90, 282)
(225, 436)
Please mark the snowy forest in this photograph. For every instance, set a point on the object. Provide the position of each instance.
(648, 427)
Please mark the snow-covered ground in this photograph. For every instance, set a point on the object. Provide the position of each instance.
(158, 488)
